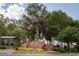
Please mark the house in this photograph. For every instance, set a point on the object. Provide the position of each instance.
(8, 40)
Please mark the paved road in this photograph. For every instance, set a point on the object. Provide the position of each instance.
(10, 52)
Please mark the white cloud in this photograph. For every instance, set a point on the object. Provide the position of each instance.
(15, 11)
(21, 4)
(2, 11)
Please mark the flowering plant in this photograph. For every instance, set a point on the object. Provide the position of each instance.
(30, 49)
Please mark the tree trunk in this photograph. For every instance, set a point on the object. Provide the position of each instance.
(69, 46)
(37, 34)
(38, 26)
(37, 31)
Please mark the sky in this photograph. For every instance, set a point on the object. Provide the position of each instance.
(16, 10)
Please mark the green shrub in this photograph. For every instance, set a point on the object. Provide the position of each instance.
(15, 47)
(60, 49)
(2, 47)
(74, 50)
(77, 47)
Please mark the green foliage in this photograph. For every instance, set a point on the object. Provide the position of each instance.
(56, 21)
(2, 47)
(77, 37)
(10, 28)
(36, 10)
(60, 49)
(51, 31)
(2, 28)
(77, 47)
(15, 46)
(75, 23)
(68, 34)
(60, 19)
(31, 33)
